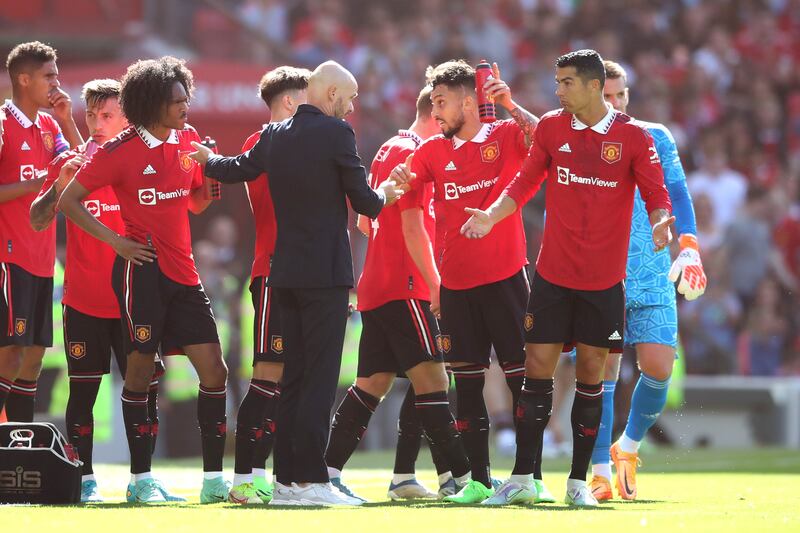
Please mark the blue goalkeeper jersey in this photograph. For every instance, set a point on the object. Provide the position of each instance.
(646, 280)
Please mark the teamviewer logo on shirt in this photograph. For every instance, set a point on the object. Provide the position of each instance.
(93, 206)
(450, 191)
(147, 196)
(563, 175)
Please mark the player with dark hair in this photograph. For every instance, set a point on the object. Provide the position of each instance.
(29, 139)
(398, 300)
(651, 317)
(154, 278)
(92, 326)
(482, 302)
(282, 89)
(593, 158)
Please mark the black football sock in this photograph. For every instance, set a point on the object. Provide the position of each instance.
(21, 400)
(264, 445)
(5, 390)
(79, 419)
(152, 411)
(213, 427)
(137, 429)
(349, 424)
(515, 377)
(472, 419)
(532, 415)
(586, 412)
(409, 436)
(250, 422)
(434, 413)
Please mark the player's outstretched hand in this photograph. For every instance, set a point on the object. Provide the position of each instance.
(133, 251)
(402, 175)
(479, 224)
(202, 154)
(662, 235)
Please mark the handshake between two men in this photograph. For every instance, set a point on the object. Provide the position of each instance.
(392, 188)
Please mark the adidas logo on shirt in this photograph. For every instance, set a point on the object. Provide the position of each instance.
(450, 166)
(25, 146)
(615, 336)
(565, 148)
(148, 170)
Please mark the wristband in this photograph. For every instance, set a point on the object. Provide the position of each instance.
(687, 240)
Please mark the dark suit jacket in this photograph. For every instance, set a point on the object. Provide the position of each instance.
(312, 164)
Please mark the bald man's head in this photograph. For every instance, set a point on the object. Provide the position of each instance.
(332, 88)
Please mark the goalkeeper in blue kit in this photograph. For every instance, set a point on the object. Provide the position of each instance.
(651, 319)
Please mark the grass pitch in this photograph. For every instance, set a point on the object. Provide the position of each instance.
(680, 490)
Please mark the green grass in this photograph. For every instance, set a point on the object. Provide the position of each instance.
(702, 490)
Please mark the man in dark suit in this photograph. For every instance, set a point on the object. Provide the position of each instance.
(313, 167)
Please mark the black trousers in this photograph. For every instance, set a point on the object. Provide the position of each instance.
(313, 322)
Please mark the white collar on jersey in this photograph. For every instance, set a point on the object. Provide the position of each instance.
(601, 127)
(23, 120)
(151, 141)
(411, 135)
(480, 137)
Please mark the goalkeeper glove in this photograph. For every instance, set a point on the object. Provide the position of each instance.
(689, 268)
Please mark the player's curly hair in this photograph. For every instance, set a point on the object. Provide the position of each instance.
(147, 88)
(588, 65)
(282, 79)
(28, 56)
(453, 73)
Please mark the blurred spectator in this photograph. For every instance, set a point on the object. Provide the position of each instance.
(708, 327)
(725, 187)
(747, 245)
(767, 330)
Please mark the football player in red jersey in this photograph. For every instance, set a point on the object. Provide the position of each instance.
(282, 89)
(92, 326)
(162, 303)
(593, 158)
(29, 139)
(398, 298)
(482, 303)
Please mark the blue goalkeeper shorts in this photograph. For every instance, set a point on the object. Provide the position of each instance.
(656, 324)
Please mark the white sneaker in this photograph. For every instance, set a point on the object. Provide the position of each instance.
(284, 494)
(322, 494)
(579, 494)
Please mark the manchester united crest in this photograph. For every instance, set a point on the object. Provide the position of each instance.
(611, 152)
(142, 333)
(47, 140)
(443, 343)
(528, 322)
(186, 162)
(20, 325)
(77, 349)
(490, 152)
(277, 344)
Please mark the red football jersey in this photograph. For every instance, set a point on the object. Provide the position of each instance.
(389, 271)
(87, 272)
(152, 181)
(264, 214)
(27, 149)
(591, 174)
(474, 174)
